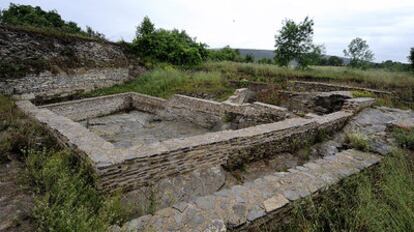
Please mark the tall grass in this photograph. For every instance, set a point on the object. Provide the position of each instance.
(381, 200)
(375, 78)
(65, 195)
(164, 82)
(66, 198)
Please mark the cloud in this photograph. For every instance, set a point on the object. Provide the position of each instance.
(388, 26)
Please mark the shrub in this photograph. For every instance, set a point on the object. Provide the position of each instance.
(404, 138)
(175, 47)
(223, 54)
(357, 140)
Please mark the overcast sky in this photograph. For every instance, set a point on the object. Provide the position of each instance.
(387, 25)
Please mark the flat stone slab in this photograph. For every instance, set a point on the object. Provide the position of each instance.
(275, 202)
(137, 128)
(406, 124)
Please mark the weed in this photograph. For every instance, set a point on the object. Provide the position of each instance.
(164, 82)
(66, 197)
(379, 200)
(362, 94)
(404, 138)
(357, 140)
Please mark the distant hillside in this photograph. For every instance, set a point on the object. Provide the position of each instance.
(260, 53)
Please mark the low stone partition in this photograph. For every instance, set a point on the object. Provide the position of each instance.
(90, 107)
(270, 198)
(311, 86)
(135, 167)
(208, 113)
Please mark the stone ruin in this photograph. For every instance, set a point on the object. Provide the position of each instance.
(190, 164)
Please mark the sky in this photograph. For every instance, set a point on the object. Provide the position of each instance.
(387, 25)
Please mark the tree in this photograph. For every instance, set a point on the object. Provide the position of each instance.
(93, 33)
(160, 45)
(248, 58)
(411, 58)
(145, 28)
(294, 42)
(335, 61)
(226, 53)
(313, 56)
(359, 52)
(29, 16)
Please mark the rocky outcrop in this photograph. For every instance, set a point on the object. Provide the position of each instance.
(48, 65)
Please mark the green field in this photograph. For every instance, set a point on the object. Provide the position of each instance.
(212, 80)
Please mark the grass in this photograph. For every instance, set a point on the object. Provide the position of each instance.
(374, 78)
(65, 195)
(212, 80)
(357, 140)
(404, 137)
(380, 200)
(363, 94)
(164, 82)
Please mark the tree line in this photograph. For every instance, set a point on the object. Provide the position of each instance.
(294, 44)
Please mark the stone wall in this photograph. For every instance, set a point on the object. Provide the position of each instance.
(310, 86)
(47, 65)
(143, 165)
(267, 199)
(79, 110)
(137, 166)
(209, 113)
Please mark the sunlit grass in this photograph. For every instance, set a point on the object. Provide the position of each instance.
(164, 82)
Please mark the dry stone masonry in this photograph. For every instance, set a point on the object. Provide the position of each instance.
(136, 166)
(45, 66)
(247, 206)
(236, 132)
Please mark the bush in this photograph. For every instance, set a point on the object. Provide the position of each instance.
(357, 140)
(223, 54)
(174, 47)
(404, 138)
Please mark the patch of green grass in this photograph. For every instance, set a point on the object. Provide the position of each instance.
(164, 82)
(18, 133)
(357, 140)
(404, 138)
(379, 200)
(65, 195)
(362, 94)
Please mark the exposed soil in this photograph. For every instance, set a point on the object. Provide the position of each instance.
(16, 202)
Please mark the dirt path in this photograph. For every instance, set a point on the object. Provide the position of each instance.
(15, 202)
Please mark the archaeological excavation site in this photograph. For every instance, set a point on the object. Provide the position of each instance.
(106, 137)
(204, 165)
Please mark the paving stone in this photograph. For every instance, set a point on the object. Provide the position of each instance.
(275, 202)
(255, 213)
